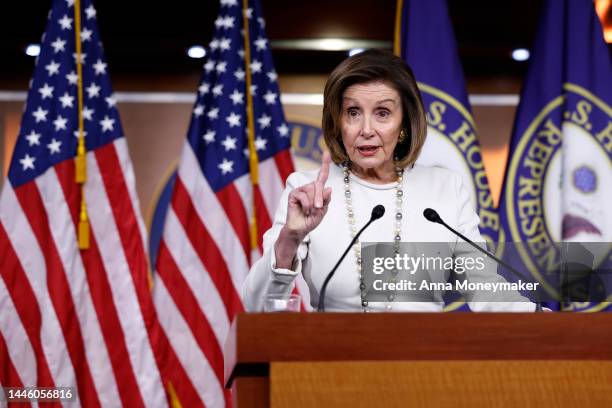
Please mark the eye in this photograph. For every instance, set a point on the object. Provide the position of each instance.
(352, 112)
(384, 113)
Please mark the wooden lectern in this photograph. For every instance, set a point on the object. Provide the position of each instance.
(420, 360)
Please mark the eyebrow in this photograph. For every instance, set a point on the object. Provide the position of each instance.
(348, 98)
(388, 100)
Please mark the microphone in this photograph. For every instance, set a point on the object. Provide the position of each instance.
(432, 215)
(377, 212)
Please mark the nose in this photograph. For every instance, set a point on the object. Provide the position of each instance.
(367, 130)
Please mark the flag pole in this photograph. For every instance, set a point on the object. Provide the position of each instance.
(81, 163)
(397, 50)
(253, 159)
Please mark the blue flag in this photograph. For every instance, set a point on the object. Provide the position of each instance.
(559, 174)
(425, 40)
(427, 43)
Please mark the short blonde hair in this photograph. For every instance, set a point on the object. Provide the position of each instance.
(372, 66)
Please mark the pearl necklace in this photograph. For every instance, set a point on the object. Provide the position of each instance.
(397, 238)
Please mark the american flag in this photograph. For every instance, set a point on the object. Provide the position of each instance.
(206, 250)
(71, 317)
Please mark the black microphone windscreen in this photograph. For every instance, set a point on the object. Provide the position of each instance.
(378, 212)
(432, 215)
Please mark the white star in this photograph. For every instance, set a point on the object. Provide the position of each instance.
(213, 113)
(209, 136)
(229, 143)
(65, 22)
(226, 166)
(239, 74)
(198, 111)
(236, 97)
(70, 3)
(225, 44)
(33, 138)
(253, 90)
(214, 44)
(220, 22)
(107, 123)
(58, 45)
(221, 67)
(241, 53)
(40, 114)
(93, 90)
(28, 162)
(270, 98)
(46, 91)
(264, 121)
(60, 123)
(283, 130)
(100, 67)
(261, 43)
(255, 67)
(66, 100)
(261, 21)
(72, 78)
(260, 143)
(110, 101)
(228, 22)
(209, 66)
(86, 34)
(249, 12)
(79, 59)
(218, 90)
(229, 3)
(233, 120)
(54, 146)
(204, 88)
(87, 113)
(77, 135)
(246, 152)
(272, 76)
(90, 11)
(52, 68)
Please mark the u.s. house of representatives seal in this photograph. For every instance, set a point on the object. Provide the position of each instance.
(560, 178)
(452, 143)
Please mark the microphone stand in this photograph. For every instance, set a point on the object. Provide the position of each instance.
(434, 217)
(377, 213)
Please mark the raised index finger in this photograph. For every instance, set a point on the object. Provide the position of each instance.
(321, 180)
(324, 172)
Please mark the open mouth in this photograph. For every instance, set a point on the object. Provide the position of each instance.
(573, 224)
(367, 150)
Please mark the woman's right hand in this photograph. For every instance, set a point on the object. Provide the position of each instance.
(306, 207)
(308, 204)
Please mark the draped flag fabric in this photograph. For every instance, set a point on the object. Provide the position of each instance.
(206, 247)
(559, 174)
(425, 40)
(73, 317)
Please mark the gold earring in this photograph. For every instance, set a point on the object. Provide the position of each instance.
(402, 136)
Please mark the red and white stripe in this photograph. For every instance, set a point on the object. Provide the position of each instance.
(79, 318)
(204, 256)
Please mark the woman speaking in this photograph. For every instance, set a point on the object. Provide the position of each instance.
(374, 125)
